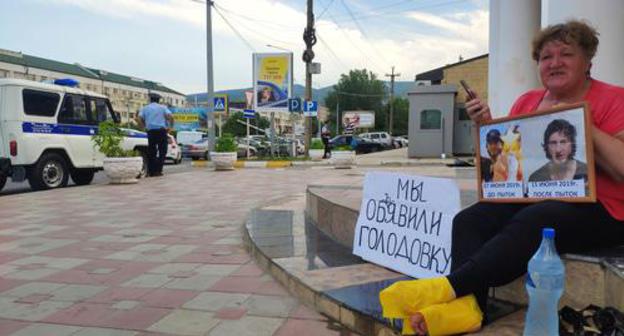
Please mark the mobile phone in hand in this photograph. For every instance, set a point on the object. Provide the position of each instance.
(469, 92)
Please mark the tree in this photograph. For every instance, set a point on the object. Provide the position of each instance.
(238, 129)
(358, 90)
(401, 117)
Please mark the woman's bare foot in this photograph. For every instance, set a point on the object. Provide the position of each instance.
(417, 321)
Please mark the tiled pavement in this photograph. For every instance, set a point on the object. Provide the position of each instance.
(162, 257)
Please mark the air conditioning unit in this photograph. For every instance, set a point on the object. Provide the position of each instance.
(423, 83)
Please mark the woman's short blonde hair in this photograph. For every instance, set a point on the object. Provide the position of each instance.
(570, 32)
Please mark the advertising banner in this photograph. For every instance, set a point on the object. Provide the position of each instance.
(189, 119)
(272, 76)
(405, 223)
(359, 119)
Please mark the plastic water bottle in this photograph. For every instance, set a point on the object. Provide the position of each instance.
(544, 283)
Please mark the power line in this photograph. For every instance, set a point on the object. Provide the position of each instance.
(357, 23)
(359, 94)
(233, 29)
(249, 18)
(399, 12)
(325, 10)
(332, 52)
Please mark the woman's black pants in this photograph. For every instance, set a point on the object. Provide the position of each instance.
(493, 242)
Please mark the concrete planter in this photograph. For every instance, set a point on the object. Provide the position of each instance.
(343, 159)
(316, 154)
(123, 170)
(223, 161)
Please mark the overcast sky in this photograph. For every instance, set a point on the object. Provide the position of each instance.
(165, 40)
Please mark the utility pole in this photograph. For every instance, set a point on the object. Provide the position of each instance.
(392, 75)
(309, 38)
(209, 68)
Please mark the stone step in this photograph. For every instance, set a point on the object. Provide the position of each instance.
(596, 277)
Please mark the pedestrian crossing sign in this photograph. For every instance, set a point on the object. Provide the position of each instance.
(220, 103)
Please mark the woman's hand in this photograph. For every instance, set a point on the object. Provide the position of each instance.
(478, 110)
(417, 321)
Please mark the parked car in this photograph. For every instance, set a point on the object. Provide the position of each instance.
(383, 138)
(45, 133)
(361, 145)
(188, 137)
(196, 150)
(400, 141)
(242, 151)
(174, 152)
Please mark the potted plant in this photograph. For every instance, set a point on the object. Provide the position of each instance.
(120, 165)
(343, 157)
(224, 155)
(317, 149)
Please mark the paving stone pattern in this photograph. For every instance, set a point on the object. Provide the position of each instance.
(161, 257)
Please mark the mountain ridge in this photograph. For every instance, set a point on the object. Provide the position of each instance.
(401, 88)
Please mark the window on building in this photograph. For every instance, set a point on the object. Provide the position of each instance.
(430, 119)
(74, 111)
(40, 103)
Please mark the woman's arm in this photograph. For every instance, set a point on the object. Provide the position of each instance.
(609, 153)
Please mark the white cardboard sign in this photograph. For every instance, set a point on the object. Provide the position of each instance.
(405, 223)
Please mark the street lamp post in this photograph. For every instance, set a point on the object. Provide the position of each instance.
(210, 79)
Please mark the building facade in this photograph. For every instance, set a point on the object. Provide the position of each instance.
(127, 94)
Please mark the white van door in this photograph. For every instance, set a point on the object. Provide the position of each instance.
(75, 122)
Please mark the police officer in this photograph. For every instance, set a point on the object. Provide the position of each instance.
(156, 119)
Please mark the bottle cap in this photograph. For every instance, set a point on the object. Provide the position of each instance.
(548, 233)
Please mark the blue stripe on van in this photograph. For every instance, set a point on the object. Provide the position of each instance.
(68, 129)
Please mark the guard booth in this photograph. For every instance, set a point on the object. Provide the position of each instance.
(431, 117)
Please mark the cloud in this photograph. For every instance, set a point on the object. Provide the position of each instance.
(418, 41)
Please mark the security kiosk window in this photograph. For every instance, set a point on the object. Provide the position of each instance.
(40, 103)
(430, 119)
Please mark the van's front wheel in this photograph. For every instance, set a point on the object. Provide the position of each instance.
(49, 172)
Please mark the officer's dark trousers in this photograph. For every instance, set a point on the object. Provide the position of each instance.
(492, 243)
(156, 151)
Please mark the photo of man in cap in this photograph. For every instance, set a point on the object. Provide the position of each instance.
(156, 119)
(494, 146)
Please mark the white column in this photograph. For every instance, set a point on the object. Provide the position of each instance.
(512, 71)
(607, 16)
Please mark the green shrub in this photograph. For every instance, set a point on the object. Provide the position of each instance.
(226, 143)
(108, 141)
(317, 144)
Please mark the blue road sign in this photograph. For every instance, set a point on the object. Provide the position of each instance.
(310, 106)
(219, 104)
(294, 104)
(249, 114)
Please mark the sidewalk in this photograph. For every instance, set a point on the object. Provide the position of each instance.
(162, 257)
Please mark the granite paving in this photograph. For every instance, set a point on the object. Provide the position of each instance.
(162, 257)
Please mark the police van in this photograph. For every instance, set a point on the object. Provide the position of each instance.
(45, 133)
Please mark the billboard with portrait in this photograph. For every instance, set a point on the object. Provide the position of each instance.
(272, 78)
(359, 119)
(544, 155)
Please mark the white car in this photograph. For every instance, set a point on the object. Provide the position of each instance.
(400, 141)
(174, 152)
(380, 137)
